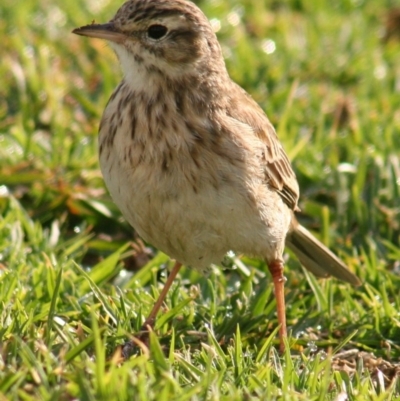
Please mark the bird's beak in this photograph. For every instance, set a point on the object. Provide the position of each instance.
(102, 31)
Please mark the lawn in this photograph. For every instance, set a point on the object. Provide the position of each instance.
(75, 281)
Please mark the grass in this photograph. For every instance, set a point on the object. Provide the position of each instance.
(70, 287)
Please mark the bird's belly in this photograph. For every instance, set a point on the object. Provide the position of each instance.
(198, 226)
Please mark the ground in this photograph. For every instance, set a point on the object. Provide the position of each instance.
(75, 281)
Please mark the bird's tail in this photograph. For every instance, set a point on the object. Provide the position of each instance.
(316, 257)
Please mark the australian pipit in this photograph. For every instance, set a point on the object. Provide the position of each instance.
(190, 158)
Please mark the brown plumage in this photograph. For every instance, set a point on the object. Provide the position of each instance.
(189, 157)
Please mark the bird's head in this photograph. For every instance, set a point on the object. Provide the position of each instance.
(167, 37)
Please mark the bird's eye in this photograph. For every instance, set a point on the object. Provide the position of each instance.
(157, 31)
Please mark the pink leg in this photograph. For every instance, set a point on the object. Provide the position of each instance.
(276, 269)
(152, 316)
(129, 347)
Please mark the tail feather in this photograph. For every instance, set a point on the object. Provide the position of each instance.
(316, 257)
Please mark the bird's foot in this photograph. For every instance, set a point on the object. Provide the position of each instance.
(140, 341)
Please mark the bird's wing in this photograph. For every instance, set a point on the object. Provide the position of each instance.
(278, 170)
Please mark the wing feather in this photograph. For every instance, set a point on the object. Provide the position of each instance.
(278, 169)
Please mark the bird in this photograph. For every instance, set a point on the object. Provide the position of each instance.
(190, 159)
